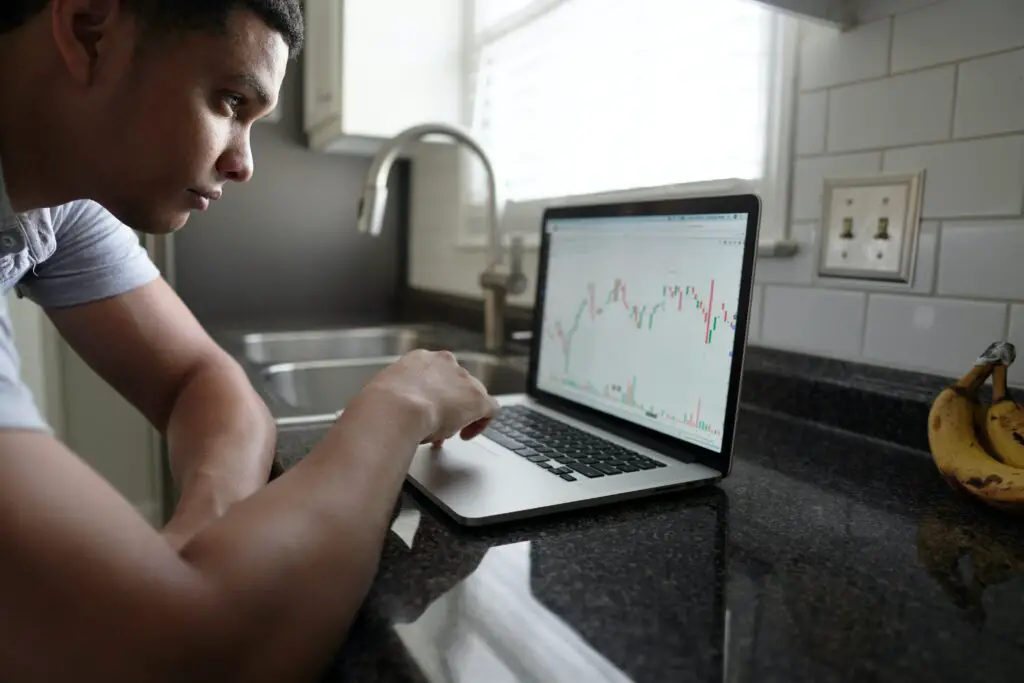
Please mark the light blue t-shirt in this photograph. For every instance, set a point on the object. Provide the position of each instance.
(62, 256)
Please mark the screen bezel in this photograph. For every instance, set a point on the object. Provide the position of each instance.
(669, 446)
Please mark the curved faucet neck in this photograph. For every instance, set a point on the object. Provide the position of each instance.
(380, 168)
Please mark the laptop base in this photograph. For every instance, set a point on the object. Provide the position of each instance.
(478, 482)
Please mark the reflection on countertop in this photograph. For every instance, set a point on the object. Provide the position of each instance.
(824, 556)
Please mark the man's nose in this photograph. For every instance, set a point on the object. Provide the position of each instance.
(236, 164)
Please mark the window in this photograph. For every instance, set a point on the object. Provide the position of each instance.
(586, 97)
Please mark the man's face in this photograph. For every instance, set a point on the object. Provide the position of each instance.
(173, 124)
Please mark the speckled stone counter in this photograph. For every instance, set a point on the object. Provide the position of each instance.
(824, 556)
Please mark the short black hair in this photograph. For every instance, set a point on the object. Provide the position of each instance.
(283, 16)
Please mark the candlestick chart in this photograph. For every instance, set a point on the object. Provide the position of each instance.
(646, 330)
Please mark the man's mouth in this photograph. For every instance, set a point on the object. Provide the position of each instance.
(212, 195)
(201, 200)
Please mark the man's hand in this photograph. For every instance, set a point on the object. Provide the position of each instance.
(452, 400)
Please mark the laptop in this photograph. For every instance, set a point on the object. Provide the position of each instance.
(639, 332)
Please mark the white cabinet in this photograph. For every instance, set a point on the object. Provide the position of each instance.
(109, 434)
(36, 342)
(838, 13)
(375, 67)
(322, 63)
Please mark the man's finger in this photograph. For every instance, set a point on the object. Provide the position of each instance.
(475, 429)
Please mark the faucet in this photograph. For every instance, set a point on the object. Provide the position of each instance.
(496, 281)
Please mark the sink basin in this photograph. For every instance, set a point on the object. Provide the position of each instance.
(324, 387)
(358, 342)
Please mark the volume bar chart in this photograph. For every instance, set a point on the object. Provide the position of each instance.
(626, 396)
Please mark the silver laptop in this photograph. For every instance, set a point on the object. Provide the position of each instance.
(639, 332)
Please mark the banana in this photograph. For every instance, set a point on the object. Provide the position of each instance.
(955, 448)
(981, 425)
(1004, 424)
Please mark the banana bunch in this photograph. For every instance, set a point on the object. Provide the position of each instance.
(979, 448)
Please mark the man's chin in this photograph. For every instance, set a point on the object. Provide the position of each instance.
(160, 225)
(178, 222)
(146, 218)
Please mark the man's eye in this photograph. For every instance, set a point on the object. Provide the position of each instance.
(234, 101)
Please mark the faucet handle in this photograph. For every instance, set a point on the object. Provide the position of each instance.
(516, 254)
(516, 278)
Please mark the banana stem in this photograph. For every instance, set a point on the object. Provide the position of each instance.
(976, 377)
(999, 391)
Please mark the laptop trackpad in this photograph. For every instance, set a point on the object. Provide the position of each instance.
(477, 479)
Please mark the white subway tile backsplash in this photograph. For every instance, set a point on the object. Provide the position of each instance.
(821, 321)
(809, 180)
(902, 110)
(830, 58)
(927, 259)
(810, 123)
(928, 334)
(990, 95)
(798, 270)
(969, 178)
(954, 30)
(1017, 339)
(982, 259)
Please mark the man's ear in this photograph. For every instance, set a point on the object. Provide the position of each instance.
(85, 33)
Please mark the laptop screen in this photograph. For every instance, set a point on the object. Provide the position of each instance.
(640, 317)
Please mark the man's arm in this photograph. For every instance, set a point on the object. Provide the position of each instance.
(264, 593)
(151, 349)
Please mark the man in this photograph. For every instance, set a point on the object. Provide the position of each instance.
(134, 113)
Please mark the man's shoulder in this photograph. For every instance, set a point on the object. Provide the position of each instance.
(84, 254)
(56, 211)
(61, 218)
(79, 213)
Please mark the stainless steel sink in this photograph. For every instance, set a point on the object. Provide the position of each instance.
(356, 342)
(320, 389)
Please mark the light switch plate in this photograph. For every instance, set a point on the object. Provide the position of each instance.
(870, 227)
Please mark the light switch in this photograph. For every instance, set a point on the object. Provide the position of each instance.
(870, 227)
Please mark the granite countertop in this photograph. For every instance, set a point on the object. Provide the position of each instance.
(824, 556)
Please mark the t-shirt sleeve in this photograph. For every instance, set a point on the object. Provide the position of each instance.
(18, 408)
(96, 257)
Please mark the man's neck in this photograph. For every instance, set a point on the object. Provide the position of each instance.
(36, 153)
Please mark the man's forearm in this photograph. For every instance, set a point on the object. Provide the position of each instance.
(264, 593)
(220, 439)
(298, 558)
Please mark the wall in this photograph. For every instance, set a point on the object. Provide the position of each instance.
(938, 87)
(926, 84)
(282, 250)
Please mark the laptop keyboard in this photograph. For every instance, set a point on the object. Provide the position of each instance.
(562, 449)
